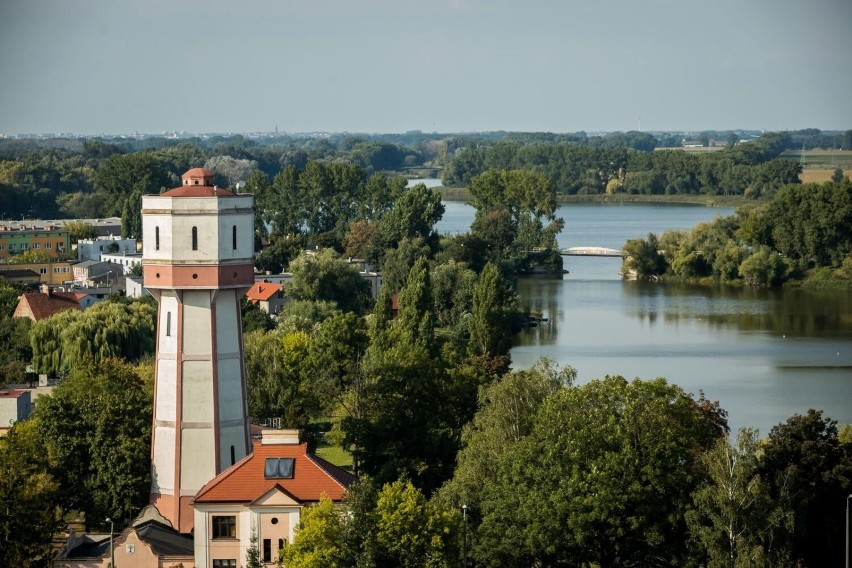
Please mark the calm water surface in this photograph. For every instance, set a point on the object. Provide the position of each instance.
(763, 354)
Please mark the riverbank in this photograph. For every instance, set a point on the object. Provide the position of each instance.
(462, 194)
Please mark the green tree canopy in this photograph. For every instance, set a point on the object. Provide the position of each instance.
(96, 431)
(29, 515)
(107, 329)
(327, 277)
(603, 477)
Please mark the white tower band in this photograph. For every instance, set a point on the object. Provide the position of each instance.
(197, 263)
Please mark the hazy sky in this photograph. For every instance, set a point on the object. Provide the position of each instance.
(119, 66)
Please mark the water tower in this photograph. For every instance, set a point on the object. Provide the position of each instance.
(197, 263)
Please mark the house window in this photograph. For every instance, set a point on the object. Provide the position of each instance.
(195, 238)
(156, 238)
(47, 245)
(267, 550)
(168, 324)
(278, 468)
(36, 246)
(13, 248)
(218, 563)
(225, 527)
(42, 270)
(233, 455)
(25, 246)
(234, 237)
(281, 542)
(57, 270)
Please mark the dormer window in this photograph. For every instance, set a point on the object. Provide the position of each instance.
(195, 238)
(278, 468)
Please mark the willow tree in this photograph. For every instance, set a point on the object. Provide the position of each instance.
(107, 329)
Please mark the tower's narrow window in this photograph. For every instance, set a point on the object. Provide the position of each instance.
(156, 238)
(233, 456)
(234, 237)
(168, 324)
(195, 238)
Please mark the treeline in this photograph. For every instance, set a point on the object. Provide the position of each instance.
(803, 231)
(751, 169)
(60, 177)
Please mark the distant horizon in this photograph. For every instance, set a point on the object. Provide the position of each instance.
(282, 133)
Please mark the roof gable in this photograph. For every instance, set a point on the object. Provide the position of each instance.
(244, 482)
(38, 305)
(276, 496)
(263, 291)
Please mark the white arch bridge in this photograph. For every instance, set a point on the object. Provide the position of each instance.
(591, 251)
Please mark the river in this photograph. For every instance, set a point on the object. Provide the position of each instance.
(763, 354)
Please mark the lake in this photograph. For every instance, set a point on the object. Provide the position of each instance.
(763, 354)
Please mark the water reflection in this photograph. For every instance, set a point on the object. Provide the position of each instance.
(792, 312)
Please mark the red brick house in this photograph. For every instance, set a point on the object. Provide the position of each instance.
(43, 304)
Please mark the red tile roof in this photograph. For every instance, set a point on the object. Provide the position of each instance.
(197, 172)
(263, 291)
(244, 481)
(38, 305)
(198, 191)
(12, 394)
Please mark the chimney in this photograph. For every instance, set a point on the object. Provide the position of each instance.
(271, 436)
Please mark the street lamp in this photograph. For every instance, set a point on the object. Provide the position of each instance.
(111, 551)
(848, 499)
(464, 537)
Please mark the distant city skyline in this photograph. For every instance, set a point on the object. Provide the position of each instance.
(94, 67)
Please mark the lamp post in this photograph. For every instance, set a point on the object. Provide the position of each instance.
(464, 537)
(111, 550)
(848, 499)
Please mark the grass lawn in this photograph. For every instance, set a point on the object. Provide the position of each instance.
(335, 454)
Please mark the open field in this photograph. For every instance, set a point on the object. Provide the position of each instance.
(819, 175)
(822, 158)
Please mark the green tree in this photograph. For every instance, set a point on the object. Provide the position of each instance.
(413, 216)
(489, 329)
(252, 553)
(413, 532)
(107, 329)
(409, 409)
(79, 230)
(317, 542)
(327, 277)
(334, 362)
(507, 408)
(803, 458)
(281, 250)
(453, 284)
(763, 267)
(643, 258)
(31, 256)
(123, 178)
(96, 430)
(735, 522)
(29, 516)
(276, 366)
(613, 464)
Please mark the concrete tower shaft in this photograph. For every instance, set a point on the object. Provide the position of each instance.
(197, 263)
